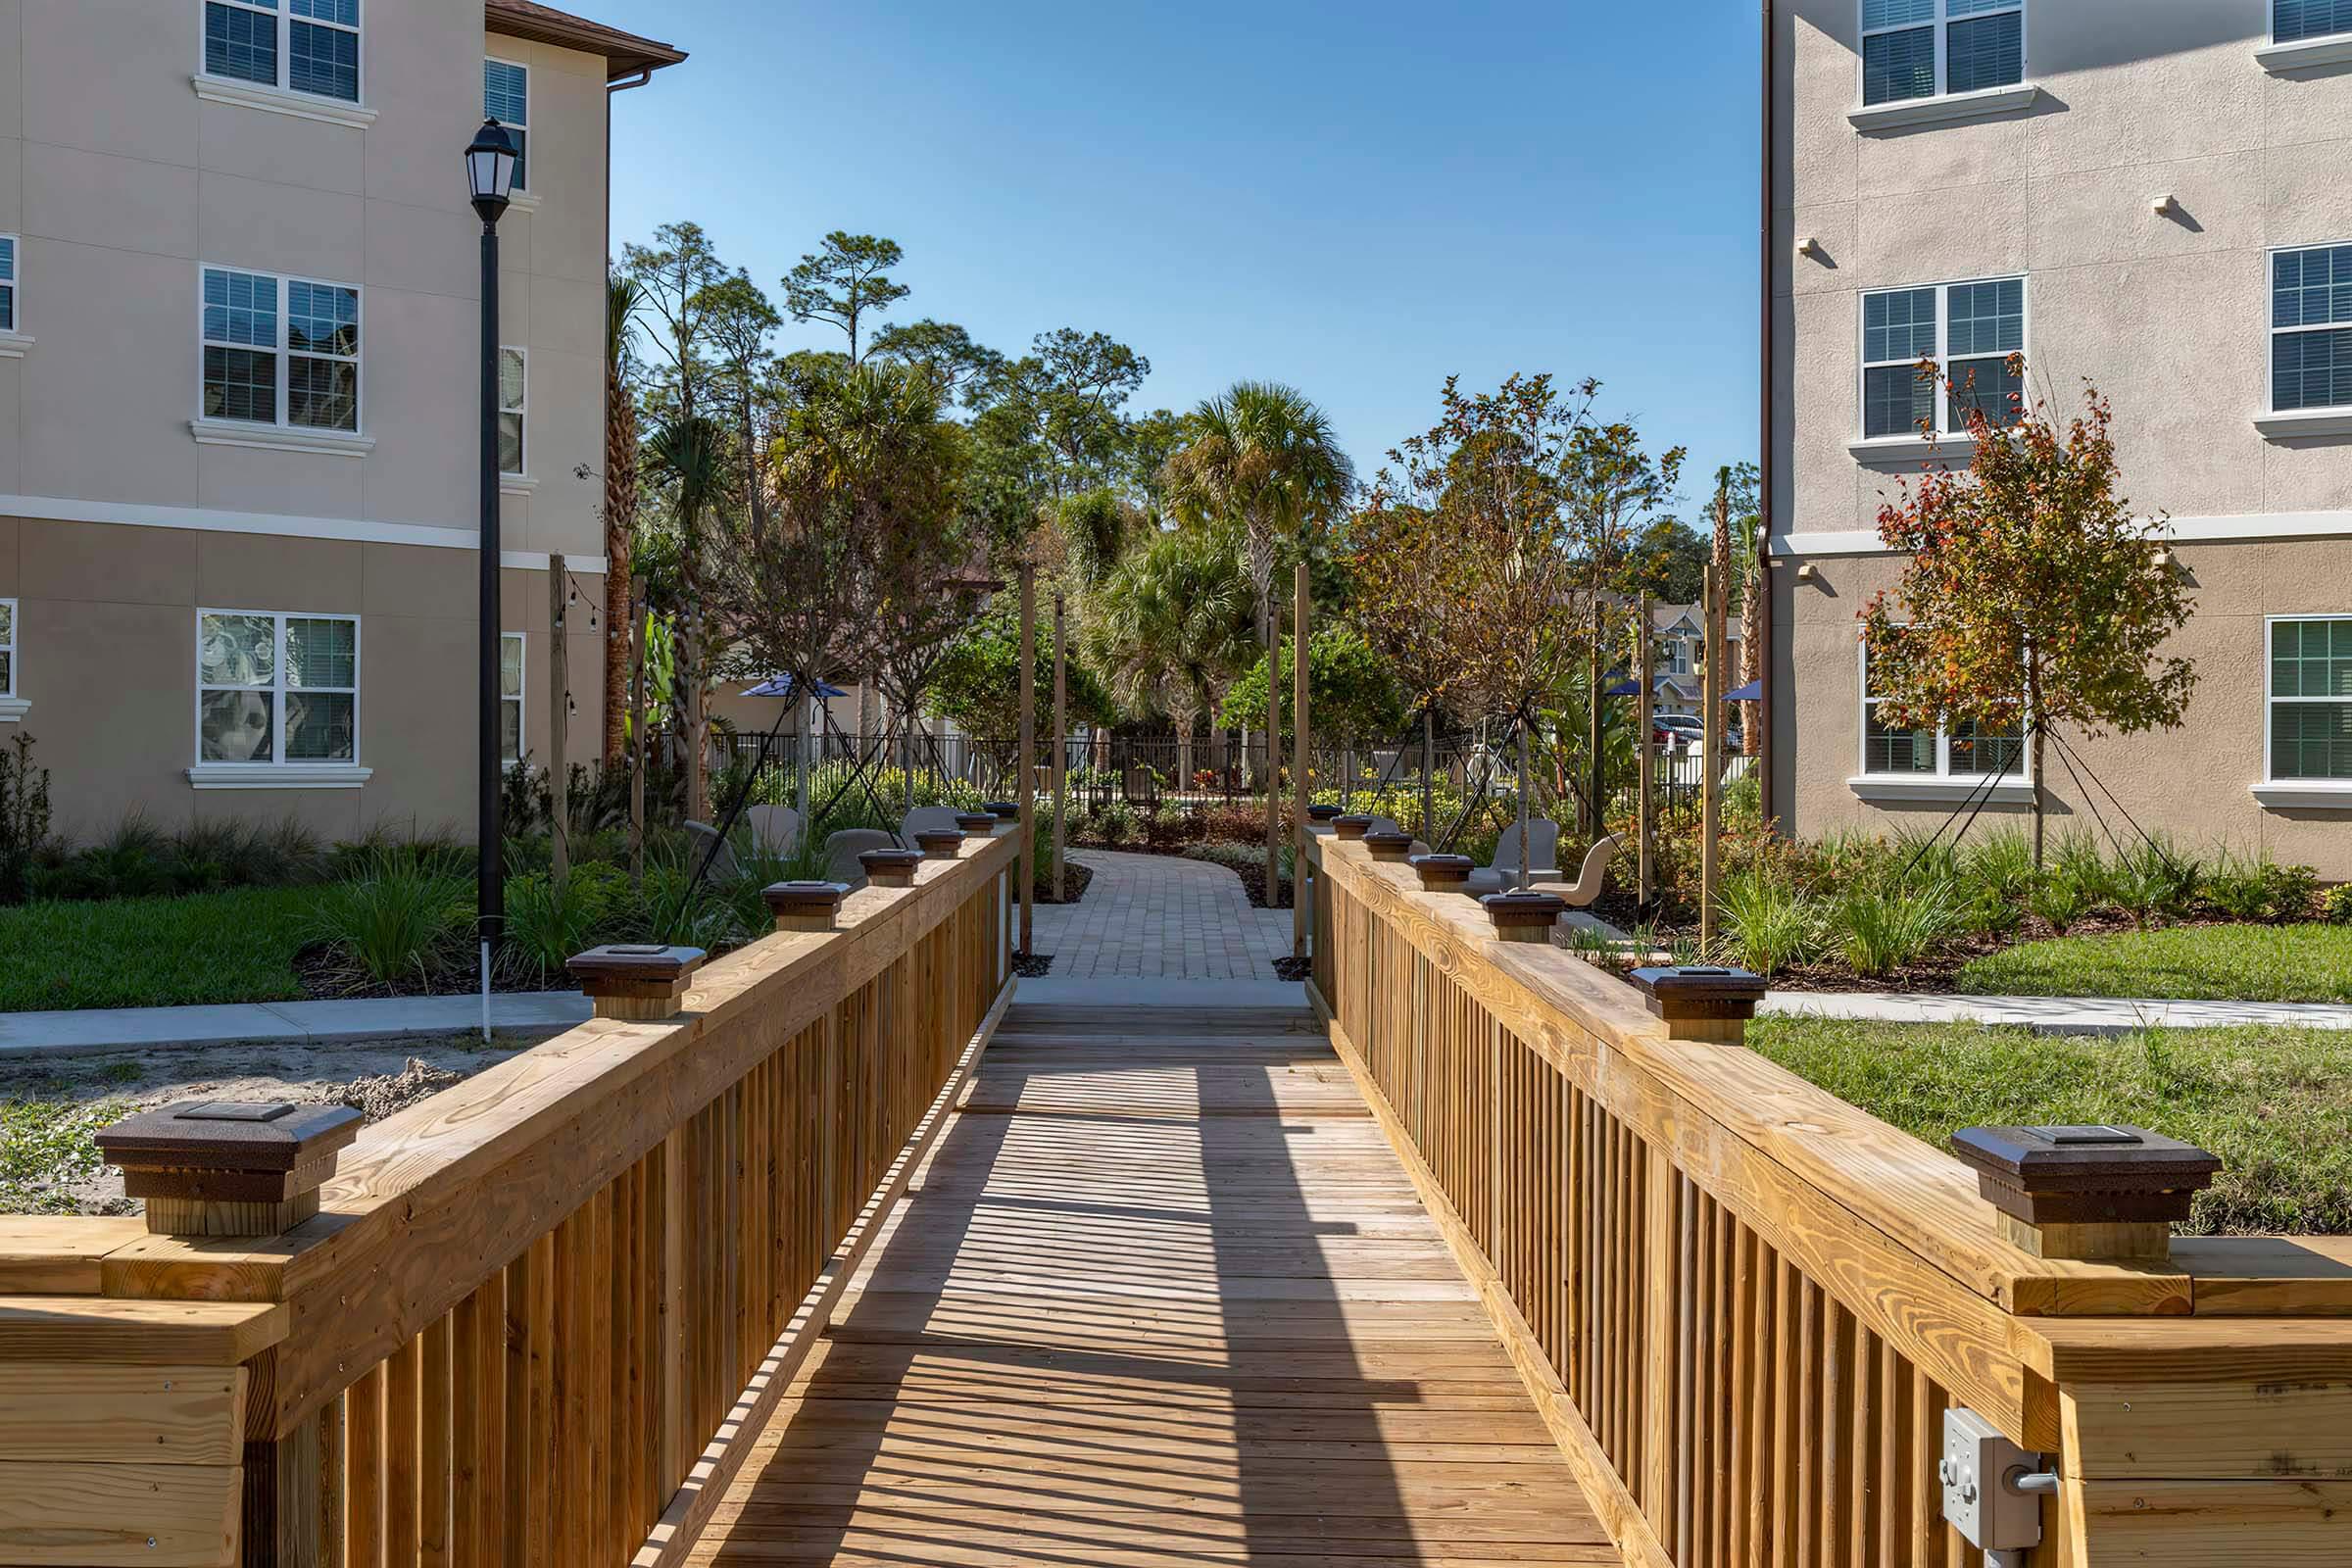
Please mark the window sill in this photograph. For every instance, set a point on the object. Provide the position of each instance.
(1908, 448)
(13, 709)
(1947, 107)
(278, 101)
(516, 484)
(1933, 789)
(2327, 795)
(279, 775)
(2294, 422)
(278, 438)
(522, 201)
(13, 345)
(2304, 54)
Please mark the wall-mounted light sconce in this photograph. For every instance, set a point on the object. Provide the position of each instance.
(2165, 206)
(1807, 571)
(2162, 560)
(1809, 245)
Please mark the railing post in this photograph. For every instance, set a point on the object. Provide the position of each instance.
(891, 868)
(1703, 1005)
(2103, 1192)
(1524, 916)
(635, 981)
(806, 906)
(940, 843)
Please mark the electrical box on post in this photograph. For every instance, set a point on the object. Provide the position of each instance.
(1981, 1470)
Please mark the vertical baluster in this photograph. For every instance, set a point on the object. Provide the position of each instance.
(403, 1469)
(364, 1471)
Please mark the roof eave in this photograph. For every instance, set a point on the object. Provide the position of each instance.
(624, 56)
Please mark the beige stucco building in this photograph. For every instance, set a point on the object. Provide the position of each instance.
(2148, 193)
(239, 356)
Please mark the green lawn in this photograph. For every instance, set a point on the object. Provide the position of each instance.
(237, 945)
(2206, 963)
(44, 1141)
(2275, 1105)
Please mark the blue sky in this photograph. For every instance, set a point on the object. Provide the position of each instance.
(1357, 199)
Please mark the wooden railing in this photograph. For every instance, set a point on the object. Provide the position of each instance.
(539, 1315)
(1745, 1306)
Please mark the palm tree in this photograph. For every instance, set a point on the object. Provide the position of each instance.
(688, 452)
(622, 300)
(1266, 460)
(1171, 628)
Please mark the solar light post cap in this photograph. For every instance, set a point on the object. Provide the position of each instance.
(1524, 916)
(2087, 1192)
(1321, 814)
(1003, 811)
(1351, 826)
(1392, 845)
(805, 906)
(635, 980)
(891, 868)
(216, 1167)
(940, 843)
(1444, 873)
(976, 824)
(1675, 992)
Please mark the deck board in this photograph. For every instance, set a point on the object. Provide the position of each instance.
(1160, 1297)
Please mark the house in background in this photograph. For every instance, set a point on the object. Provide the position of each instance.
(1678, 638)
(2146, 193)
(239, 351)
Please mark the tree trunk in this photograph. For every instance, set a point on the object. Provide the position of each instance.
(1596, 812)
(2034, 729)
(1524, 727)
(620, 523)
(642, 623)
(1751, 662)
(689, 677)
(1428, 771)
(1273, 636)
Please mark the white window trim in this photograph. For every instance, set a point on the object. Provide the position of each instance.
(277, 97)
(520, 482)
(2273, 791)
(1940, 105)
(1886, 448)
(282, 436)
(1942, 786)
(13, 706)
(2286, 425)
(521, 190)
(13, 342)
(279, 774)
(2301, 54)
(521, 698)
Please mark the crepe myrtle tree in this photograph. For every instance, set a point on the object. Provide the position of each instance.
(2031, 594)
(1400, 557)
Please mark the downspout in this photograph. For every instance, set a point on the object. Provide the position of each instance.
(1767, 757)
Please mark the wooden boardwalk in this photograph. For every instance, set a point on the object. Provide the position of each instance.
(1161, 1296)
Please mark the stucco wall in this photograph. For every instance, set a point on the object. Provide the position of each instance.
(123, 183)
(106, 634)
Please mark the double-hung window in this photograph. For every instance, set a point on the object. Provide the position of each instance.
(295, 363)
(276, 689)
(1928, 48)
(8, 648)
(2293, 21)
(507, 99)
(8, 282)
(509, 698)
(513, 396)
(1969, 332)
(1963, 750)
(2311, 328)
(2311, 698)
(307, 46)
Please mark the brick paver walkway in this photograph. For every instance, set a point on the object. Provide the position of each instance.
(1164, 917)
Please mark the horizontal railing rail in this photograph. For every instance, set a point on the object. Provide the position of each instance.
(537, 1317)
(1745, 1305)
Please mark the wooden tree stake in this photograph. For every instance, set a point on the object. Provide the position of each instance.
(1028, 767)
(1061, 752)
(1646, 787)
(558, 709)
(1710, 760)
(1304, 751)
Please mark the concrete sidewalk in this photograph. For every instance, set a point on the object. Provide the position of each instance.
(2054, 1016)
(85, 1031)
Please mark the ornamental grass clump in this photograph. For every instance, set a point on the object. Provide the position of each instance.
(1768, 925)
(1878, 931)
(397, 921)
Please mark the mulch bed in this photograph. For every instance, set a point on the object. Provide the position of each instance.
(1031, 967)
(325, 977)
(1293, 969)
(1074, 875)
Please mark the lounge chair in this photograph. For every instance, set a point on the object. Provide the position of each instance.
(724, 868)
(927, 820)
(1543, 852)
(775, 828)
(842, 849)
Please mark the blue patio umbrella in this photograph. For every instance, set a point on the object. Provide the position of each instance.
(1752, 691)
(1619, 684)
(781, 686)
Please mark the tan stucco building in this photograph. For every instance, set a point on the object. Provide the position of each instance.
(2148, 193)
(238, 423)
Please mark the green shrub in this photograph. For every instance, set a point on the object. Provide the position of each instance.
(2259, 887)
(398, 919)
(2155, 880)
(2335, 906)
(2062, 901)
(1877, 931)
(2001, 862)
(23, 818)
(1767, 924)
(548, 921)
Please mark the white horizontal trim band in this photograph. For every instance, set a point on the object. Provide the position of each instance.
(2305, 53)
(2325, 793)
(279, 438)
(13, 345)
(13, 709)
(1945, 106)
(350, 530)
(300, 105)
(516, 484)
(1935, 790)
(2304, 423)
(279, 775)
(2178, 530)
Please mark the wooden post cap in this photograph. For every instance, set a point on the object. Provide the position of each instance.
(805, 906)
(2087, 1192)
(976, 824)
(1675, 993)
(891, 868)
(635, 980)
(1351, 827)
(1524, 916)
(1003, 811)
(1444, 873)
(940, 843)
(1389, 844)
(221, 1167)
(1321, 814)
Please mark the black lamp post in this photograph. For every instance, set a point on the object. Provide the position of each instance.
(490, 175)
